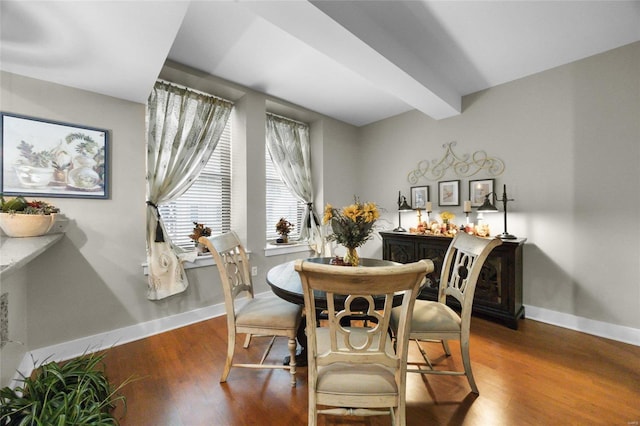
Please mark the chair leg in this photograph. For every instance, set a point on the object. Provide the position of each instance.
(399, 415)
(424, 354)
(231, 344)
(266, 352)
(292, 360)
(313, 410)
(247, 341)
(466, 361)
(445, 347)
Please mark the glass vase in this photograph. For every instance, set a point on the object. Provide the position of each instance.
(352, 256)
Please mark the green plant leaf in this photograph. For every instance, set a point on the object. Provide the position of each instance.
(72, 393)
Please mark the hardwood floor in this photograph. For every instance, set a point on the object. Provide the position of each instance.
(536, 375)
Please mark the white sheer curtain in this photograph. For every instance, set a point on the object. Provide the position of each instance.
(289, 147)
(183, 128)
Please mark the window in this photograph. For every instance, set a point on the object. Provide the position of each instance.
(280, 203)
(207, 201)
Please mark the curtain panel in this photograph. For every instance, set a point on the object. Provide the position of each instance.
(289, 147)
(183, 129)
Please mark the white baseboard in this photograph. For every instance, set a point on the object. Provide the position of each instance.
(597, 328)
(98, 342)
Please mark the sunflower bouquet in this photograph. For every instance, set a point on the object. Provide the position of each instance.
(352, 225)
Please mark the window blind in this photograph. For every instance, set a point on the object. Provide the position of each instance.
(280, 203)
(207, 201)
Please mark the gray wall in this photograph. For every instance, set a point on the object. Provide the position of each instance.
(570, 139)
(91, 281)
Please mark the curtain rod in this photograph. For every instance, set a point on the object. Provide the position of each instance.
(182, 86)
(288, 119)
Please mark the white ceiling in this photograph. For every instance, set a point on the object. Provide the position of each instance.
(357, 61)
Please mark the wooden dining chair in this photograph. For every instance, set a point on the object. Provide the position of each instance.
(434, 321)
(354, 369)
(264, 316)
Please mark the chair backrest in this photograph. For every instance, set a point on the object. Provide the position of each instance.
(461, 268)
(355, 291)
(233, 266)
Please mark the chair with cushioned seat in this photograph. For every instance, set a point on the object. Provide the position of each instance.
(434, 321)
(353, 369)
(269, 316)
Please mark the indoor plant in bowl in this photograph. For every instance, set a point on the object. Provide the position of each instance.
(22, 218)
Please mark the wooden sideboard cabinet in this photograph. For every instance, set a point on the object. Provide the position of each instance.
(499, 288)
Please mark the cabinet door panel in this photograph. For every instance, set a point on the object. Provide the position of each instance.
(399, 251)
(436, 254)
(489, 287)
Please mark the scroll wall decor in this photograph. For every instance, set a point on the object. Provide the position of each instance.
(462, 165)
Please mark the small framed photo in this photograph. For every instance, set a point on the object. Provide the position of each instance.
(479, 189)
(419, 197)
(52, 159)
(449, 193)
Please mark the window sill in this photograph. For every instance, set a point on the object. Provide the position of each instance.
(275, 250)
(269, 250)
(201, 261)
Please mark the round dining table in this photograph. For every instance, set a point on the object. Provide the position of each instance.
(285, 282)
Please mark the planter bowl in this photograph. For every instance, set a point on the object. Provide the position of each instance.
(26, 225)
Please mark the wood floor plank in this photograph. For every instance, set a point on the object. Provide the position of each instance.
(536, 375)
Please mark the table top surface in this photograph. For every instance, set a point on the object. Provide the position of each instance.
(285, 282)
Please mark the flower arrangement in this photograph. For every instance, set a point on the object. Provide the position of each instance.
(200, 230)
(283, 227)
(447, 217)
(352, 226)
(19, 205)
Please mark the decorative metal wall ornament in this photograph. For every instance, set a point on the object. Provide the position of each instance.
(463, 165)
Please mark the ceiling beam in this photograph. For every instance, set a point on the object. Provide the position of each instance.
(420, 89)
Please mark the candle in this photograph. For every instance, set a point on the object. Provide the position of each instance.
(429, 207)
(467, 206)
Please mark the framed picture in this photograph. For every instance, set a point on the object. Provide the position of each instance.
(478, 189)
(449, 193)
(52, 159)
(419, 197)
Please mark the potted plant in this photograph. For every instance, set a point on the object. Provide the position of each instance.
(283, 227)
(22, 218)
(199, 230)
(75, 392)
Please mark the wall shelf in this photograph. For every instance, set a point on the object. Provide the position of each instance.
(15, 253)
